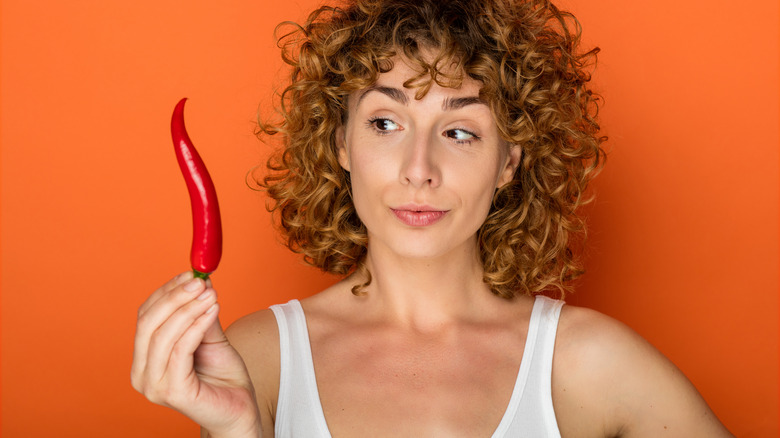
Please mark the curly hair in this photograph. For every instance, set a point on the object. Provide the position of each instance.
(525, 54)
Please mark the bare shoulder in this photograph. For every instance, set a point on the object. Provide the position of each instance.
(256, 332)
(256, 338)
(608, 381)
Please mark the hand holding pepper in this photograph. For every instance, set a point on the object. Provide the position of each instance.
(182, 359)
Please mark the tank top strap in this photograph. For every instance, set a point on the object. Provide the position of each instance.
(530, 411)
(298, 410)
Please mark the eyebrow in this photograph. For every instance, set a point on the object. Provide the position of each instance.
(393, 93)
(399, 96)
(460, 102)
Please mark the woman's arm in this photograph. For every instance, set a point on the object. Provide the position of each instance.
(609, 382)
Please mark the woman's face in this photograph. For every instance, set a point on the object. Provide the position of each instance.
(423, 171)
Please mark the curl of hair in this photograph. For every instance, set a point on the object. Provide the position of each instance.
(526, 55)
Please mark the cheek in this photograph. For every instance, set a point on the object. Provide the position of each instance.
(478, 179)
(477, 188)
(370, 176)
(478, 199)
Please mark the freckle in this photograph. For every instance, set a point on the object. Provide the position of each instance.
(665, 427)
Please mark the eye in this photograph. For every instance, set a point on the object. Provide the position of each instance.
(383, 126)
(461, 135)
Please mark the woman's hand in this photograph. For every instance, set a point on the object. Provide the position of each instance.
(183, 360)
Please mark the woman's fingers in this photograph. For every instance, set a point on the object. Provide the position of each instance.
(180, 366)
(164, 289)
(172, 297)
(165, 338)
(151, 317)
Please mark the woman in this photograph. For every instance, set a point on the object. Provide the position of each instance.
(435, 153)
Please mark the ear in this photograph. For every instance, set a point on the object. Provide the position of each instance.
(511, 165)
(341, 148)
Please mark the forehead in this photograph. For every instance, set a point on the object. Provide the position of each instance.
(446, 71)
(408, 80)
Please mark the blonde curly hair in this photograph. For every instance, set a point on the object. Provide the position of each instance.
(525, 55)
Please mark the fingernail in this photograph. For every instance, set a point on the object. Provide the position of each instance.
(204, 295)
(212, 308)
(193, 285)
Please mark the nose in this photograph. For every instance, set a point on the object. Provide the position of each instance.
(420, 164)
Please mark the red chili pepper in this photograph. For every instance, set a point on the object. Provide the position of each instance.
(206, 223)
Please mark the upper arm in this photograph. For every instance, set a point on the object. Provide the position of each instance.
(609, 380)
(256, 338)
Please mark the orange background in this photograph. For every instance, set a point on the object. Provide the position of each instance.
(684, 235)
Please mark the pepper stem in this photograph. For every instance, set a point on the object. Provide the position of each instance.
(203, 275)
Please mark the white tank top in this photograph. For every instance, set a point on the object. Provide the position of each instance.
(529, 414)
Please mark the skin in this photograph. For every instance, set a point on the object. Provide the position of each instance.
(409, 358)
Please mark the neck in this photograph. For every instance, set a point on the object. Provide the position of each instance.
(427, 293)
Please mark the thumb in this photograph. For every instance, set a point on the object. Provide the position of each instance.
(214, 333)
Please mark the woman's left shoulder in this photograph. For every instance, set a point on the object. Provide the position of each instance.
(595, 352)
(581, 330)
(607, 375)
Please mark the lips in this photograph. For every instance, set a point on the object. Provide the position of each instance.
(418, 215)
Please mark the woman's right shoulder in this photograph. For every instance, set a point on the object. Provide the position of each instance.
(255, 333)
(256, 338)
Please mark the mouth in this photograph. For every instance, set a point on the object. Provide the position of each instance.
(418, 215)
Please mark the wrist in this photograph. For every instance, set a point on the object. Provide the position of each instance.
(254, 432)
(251, 429)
